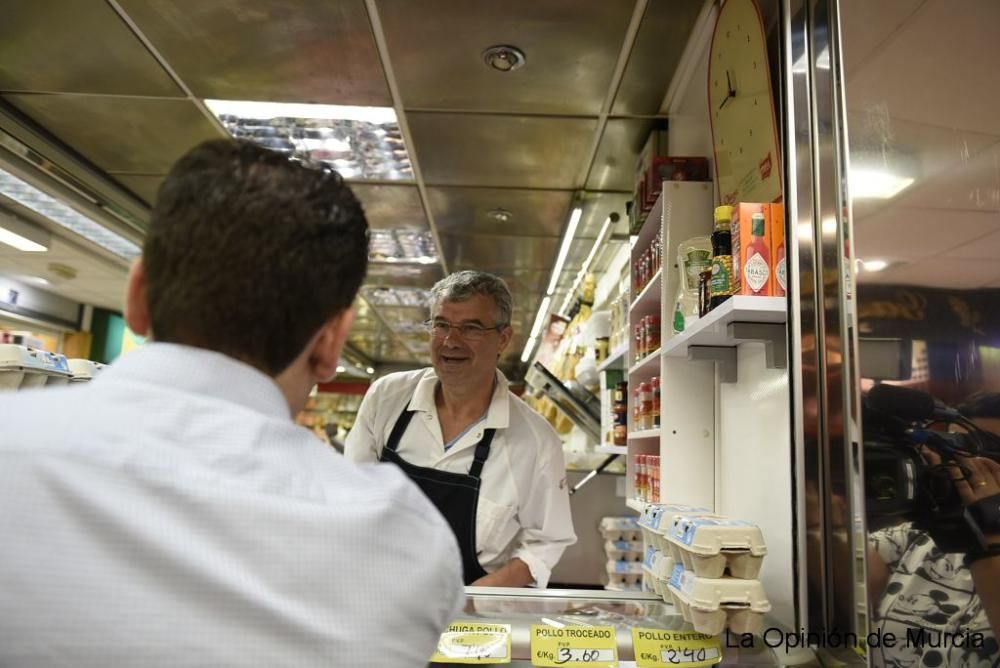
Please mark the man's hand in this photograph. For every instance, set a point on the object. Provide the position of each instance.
(975, 478)
(515, 573)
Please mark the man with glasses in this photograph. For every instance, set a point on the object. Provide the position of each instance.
(491, 465)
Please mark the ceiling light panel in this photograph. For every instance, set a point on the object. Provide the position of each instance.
(396, 296)
(61, 214)
(363, 143)
(402, 245)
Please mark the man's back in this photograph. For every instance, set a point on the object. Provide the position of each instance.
(171, 514)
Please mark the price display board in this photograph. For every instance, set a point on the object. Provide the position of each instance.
(474, 642)
(656, 648)
(574, 646)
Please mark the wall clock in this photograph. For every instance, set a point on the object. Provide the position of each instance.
(741, 106)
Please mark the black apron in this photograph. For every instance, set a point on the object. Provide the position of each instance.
(456, 495)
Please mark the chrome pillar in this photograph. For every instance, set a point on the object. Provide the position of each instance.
(826, 409)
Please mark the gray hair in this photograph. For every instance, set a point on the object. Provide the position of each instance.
(464, 285)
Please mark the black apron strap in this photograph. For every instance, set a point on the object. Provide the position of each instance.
(482, 453)
(402, 422)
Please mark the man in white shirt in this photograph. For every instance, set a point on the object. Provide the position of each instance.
(170, 513)
(491, 464)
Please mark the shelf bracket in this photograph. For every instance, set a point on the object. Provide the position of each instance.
(772, 334)
(723, 356)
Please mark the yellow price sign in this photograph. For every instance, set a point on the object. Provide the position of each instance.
(656, 648)
(473, 642)
(574, 646)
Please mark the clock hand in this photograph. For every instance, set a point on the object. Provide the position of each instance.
(729, 85)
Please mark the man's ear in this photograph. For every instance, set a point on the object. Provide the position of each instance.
(330, 342)
(505, 336)
(136, 303)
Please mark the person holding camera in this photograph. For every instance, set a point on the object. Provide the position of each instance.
(943, 607)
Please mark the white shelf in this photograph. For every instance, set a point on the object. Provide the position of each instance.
(615, 360)
(650, 295)
(712, 330)
(645, 433)
(651, 225)
(636, 504)
(612, 449)
(646, 362)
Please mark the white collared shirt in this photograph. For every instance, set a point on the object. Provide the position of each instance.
(170, 513)
(523, 501)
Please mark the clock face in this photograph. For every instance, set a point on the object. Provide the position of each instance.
(744, 132)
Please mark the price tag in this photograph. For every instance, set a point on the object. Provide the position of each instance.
(656, 648)
(474, 642)
(574, 646)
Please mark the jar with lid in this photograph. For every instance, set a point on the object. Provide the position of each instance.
(646, 405)
(652, 333)
(654, 383)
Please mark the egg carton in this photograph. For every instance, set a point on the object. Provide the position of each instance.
(656, 518)
(712, 605)
(620, 528)
(711, 546)
(628, 573)
(23, 367)
(83, 370)
(624, 550)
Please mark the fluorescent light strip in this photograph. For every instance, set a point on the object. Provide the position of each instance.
(61, 214)
(251, 109)
(20, 243)
(529, 348)
(574, 220)
(543, 310)
(601, 238)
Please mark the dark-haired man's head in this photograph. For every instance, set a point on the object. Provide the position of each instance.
(254, 256)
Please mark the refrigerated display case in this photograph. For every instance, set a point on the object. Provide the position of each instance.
(558, 609)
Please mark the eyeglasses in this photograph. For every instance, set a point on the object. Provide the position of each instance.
(469, 331)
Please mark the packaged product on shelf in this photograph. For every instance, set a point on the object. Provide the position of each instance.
(620, 528)
(713, 604)
(656, 145)
(653, 462)
(712, 546)
(751, 245)
(623, 550)
(704, 293)
(674, 168)
(722, 257)
(654, 384)
(693, 257)
(640, 342)
(620, 414)
(778, 249)
(651, 331)
(646, 404)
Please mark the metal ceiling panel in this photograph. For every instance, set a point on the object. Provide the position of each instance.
(501, 151)
(614, 164)
(60, 46)
(663, 34)
(121, 134)
(495, 252)
(267, 50)
(391, 206)
(570, 47)
(144, 186)
(531, 213)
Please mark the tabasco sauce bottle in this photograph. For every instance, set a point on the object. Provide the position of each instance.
(752, 268)
(757, 268)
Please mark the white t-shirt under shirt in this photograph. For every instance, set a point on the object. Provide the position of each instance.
(933, 592)
(171, 514)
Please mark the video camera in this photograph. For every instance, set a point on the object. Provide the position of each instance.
(899, 482)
